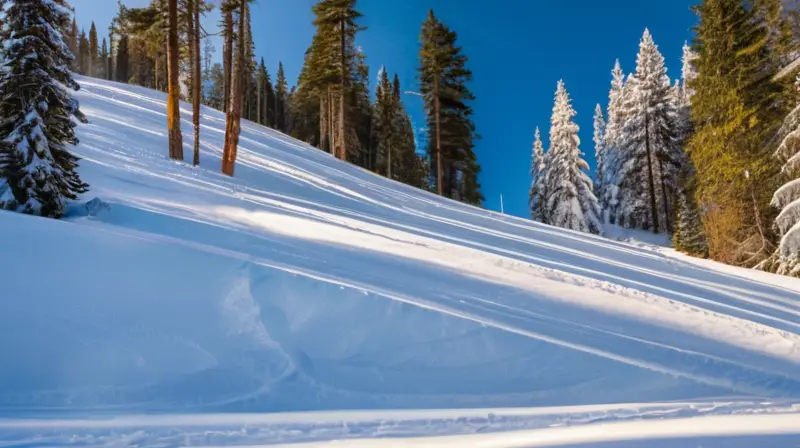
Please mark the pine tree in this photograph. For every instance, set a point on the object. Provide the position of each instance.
(83, 54)
(121, 66)
(736, 109)
(37, 170)
(316, 105)
(651, 157)
(570, 202)
(538, 191)
(410, 167)
(612, 162)
(599, 139)
(341, 15)
(72, 43)
(265, 114)
(281, 108)
(102, 66)
(109, 67)
(94, 51)
(384, 123)
(444, 80)
(216, 94)
(786, 259)
(689, 236)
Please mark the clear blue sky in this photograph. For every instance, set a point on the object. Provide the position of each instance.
(518, 50)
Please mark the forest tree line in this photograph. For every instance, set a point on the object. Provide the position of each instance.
(332, 105)
(712, 158)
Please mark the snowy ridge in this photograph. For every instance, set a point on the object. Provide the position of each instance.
(306, 284)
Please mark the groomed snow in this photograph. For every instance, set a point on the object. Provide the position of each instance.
(307, 284)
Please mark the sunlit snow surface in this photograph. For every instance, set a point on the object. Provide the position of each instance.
(306, 284)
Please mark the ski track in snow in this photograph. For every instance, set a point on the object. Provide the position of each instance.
(307, 284)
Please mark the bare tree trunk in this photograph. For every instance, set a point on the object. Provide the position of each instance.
(233, 125)
(341, 144)
(173, 100)
(197, 78)
(227, 57)
(439, 171)
(650, 180)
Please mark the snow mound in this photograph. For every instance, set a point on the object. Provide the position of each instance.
(308, 284)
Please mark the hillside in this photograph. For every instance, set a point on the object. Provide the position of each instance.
(307, 284)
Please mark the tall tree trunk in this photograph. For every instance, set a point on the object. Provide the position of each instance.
(197, 78)
(650, 180)
(227, 57)
(233, 125)
(342, 144)
(436, 106)
(173, 100)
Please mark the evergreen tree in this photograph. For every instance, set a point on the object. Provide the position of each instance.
(384, 123)
(121, 67)
(689, 236)
(72, 43)
(102, 66)
(688, 72)
(609, 185)
(83, 54)
(444, 80)
(266, 97)
(37, 170)
(109, 67)
(410, 166)
(570, 202)
(340, 15)
(599, 139)
(538, 191)
(650, 153)
(736, 109)
(786, 259)
(281, 107)
(94, 51)
(317, 102)
(216, 94)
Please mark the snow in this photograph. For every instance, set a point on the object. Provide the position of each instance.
(309, 301)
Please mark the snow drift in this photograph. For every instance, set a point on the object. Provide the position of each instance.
(305, 283)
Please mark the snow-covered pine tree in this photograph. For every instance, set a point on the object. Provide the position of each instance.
(538, 179)
(611, 161)
(689, 236)
(652, 157)
(688, 72)
(599, 139)
(570, 199)
(786, 260)
(37, 170)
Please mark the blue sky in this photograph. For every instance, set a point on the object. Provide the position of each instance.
(518, 50)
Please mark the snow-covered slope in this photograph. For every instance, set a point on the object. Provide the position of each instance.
(308, 284)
